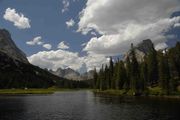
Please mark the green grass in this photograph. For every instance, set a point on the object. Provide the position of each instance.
(156, 91)
(31, 91)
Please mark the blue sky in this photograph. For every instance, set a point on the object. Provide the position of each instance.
(46, 20)
(107, 27)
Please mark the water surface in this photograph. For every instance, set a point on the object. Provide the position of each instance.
(84, 105)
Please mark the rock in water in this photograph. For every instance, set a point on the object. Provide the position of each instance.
(8, 47)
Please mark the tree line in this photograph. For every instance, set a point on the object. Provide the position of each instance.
(157, 69)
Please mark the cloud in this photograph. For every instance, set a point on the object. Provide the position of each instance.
(70, 23)
(55, 59)
(83, 44)
(38, 41)
(66, 4)
(62, 45)
(47, 46)
(19, 20)
(35, 41)
(161, 46)
(177, 25)
(75, 0)
(95, 61)
(115, 44)
(121, 22)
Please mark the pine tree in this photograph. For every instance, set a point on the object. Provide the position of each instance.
(164, 74)
(95, 77)
(174, 56)
(111, 73)
(122, 74)
(174, 63)
(152, 63)
(143, 76)
(116, 76)
(98, 80)
(106, 82)
(177, 49)
(134, 71)
(128, 73)
(101, 78)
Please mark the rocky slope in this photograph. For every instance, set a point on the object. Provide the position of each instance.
(8, 47)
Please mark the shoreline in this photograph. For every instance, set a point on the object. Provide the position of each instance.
(32, 91)
(119, 93)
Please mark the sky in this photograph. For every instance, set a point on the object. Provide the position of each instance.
(82, 34)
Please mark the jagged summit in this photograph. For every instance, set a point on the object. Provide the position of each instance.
(142, 49)
(8, 47)
(71, 74)
(145, 46)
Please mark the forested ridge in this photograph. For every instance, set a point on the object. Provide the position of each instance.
(158, 73)
(16, 74)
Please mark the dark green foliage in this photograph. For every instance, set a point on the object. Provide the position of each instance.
(111, 74)
(106, 78)
(135, 76)
(128, 73)
(121, 75)
(158, 70)
(95, 76)
(15, 74)
(164, 73)
(174, 66)
(143, 76)
(152, 63)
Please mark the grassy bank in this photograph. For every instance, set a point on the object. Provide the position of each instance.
(152, 92)
(31, 91)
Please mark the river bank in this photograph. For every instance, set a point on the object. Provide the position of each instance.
(153, 93)
(32, 91)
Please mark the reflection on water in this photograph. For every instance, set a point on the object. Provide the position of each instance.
(84, 105)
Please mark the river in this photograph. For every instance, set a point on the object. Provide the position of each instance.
(84, 105)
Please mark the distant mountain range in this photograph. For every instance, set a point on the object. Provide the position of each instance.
(71, 74)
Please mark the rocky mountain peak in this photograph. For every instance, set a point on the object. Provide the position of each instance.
(71, 74)
(142, 49)
(145, 46)
(8, 47)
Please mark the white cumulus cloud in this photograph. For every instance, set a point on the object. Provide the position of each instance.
(55, 59)
(47, 46)
(70, 23)
(177, 25)
(18, 19)
(35, 41)
(39, 41)
(62, 45)
(121, 22)
(66, 4)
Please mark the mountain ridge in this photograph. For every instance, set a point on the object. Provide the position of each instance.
(17, 72)
(8, 47)
(71, 74)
